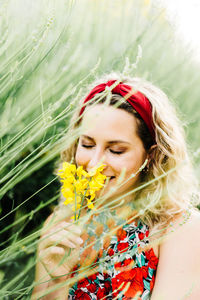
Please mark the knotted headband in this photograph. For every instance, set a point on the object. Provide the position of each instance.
(137, 100)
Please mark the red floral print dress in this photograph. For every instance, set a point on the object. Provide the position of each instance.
(123, 268)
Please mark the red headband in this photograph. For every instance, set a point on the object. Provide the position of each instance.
(137, 100)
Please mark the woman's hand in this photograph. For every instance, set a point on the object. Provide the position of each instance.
(59, 246)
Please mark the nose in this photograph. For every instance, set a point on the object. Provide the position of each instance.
(96, 158)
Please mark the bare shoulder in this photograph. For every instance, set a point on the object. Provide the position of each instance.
(178, 270)
(184, 230)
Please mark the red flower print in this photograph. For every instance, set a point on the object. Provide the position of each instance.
(152, 283)
(135, 277)
(141, 273)
(74, 271)
(100, 253)
(101, 293)
(86, 252)
(84, 236)
(99, 229)
(106, 276)
(107, 286)
(141, 236)
(106, 242)
(124, 265)
(122, 247)
(111, 252)
(110, 223)
(79, 294)
(118, 265)
(121, 234)
(92, 287)
(116, 283)
(83, 282)
(92, 277)
(153, 260)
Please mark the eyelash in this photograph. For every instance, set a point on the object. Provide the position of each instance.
(116, 152)
(112, 151)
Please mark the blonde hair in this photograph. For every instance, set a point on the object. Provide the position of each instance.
(172, 187)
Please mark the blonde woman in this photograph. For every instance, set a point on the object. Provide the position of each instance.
(130, 126)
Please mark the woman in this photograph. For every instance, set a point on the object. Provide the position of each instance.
(130, 126)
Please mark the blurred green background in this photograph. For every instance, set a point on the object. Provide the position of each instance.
(49, 52)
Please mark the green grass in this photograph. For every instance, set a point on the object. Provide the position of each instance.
(49, 52)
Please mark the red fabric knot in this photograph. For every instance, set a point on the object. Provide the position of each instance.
(135, 98)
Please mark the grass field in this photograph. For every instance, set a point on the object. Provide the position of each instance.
(49, 52)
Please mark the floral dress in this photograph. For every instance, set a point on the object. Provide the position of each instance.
(122, 264)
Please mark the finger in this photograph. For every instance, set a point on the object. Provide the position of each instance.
(45, 254)
(63, 237)
(64, 234)
(72, 227)
(63, 228)
(57, 261)
(63, 225)
(77, 240)
(54, 261)
(67, 230)
(55, 241)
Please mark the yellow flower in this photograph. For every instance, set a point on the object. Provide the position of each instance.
(81, 185)
(67, 193)
(76, 207)
(78, 184)
(96, 170)
(67, 172)
(69, 167)
(80, 172)
(97, 182)
(78, 198)
(69, 200)
(90, 205)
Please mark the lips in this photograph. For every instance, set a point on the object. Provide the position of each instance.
(111, 177)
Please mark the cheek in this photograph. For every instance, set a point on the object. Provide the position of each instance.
(115, 162)
(133, 163)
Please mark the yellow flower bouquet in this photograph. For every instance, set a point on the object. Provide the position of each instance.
(79, 186)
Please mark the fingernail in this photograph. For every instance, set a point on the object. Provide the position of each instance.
(79, 230)
(79, 240)
(72, 245)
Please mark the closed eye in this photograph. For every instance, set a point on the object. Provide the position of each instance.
(116, 152)
(112, 151)
(87, 146)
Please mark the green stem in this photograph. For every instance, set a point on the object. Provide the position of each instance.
(83, 197)
(75, 207)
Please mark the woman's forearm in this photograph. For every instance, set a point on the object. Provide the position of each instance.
(44, 282)
(59, 293)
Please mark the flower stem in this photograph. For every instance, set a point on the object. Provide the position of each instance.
(75, 207)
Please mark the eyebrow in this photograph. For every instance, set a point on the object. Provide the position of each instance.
(109, 142)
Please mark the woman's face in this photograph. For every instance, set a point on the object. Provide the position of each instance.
(110, 137)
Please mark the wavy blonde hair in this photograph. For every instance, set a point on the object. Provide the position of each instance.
(172, 186)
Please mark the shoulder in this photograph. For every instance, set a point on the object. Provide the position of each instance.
(179, 261)
(183, 231)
